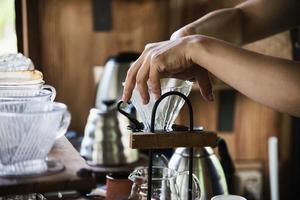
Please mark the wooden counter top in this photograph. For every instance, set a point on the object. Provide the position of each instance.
(65, 180)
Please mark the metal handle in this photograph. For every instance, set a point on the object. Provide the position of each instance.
(226, 163)
(187, 101)
(65, 122)
(137, 126)
(191, 155)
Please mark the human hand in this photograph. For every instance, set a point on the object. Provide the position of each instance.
(204, 83)
(184, 31)
(173, 58)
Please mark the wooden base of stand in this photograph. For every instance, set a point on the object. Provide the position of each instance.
(162, 140)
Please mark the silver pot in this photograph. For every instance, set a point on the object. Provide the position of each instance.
(207, 168)
(110, 87)
(103, 142)
(106, 134)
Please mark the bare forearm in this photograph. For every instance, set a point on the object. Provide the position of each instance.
(224, 24)
(247, 22)
(262, 18)
(271, 81)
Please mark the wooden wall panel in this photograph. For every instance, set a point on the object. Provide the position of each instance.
(183, 12)
(69, 47)
(254, 124)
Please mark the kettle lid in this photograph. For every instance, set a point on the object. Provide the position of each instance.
(107, 107)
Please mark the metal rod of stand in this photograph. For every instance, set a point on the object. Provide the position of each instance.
(191, 163)
(190, 186)
(150, 174)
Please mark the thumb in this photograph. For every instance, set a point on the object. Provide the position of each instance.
(205, 85)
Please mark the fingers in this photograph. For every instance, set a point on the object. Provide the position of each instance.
(149, 71)
(157, 60)
(154, 78)
(205, 84)
(131, 79)
(138, 75)
(141, 80)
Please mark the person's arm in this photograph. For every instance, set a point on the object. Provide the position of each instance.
(272, 81)
(247, 22)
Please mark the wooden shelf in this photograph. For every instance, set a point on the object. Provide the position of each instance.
(65, 180)
(142, 140)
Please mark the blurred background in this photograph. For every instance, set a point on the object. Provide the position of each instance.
(66, 39)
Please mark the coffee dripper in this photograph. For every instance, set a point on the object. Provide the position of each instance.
(161, 139)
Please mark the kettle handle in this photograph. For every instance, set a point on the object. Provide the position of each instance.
(226, 163)
(136, 125)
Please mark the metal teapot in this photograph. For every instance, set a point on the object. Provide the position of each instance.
(106, 135)
(207, 168)
(102, 143)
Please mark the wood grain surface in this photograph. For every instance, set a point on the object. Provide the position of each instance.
(69, 47)
(65, 180)
(142, 140)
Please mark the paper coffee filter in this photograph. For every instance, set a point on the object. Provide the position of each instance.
(168, 108)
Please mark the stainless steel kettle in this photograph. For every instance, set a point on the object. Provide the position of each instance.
(110, 87)
(207, 167)
(106, 135)
(103, 142)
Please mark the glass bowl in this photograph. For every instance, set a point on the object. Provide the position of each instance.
(23, 86)
(48, 93)
(27, 133)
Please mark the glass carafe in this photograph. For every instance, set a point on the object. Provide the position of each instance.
(164, 184)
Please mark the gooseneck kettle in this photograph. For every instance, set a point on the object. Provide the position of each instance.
(105, 140)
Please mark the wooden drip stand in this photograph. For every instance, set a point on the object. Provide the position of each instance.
(187, 137)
